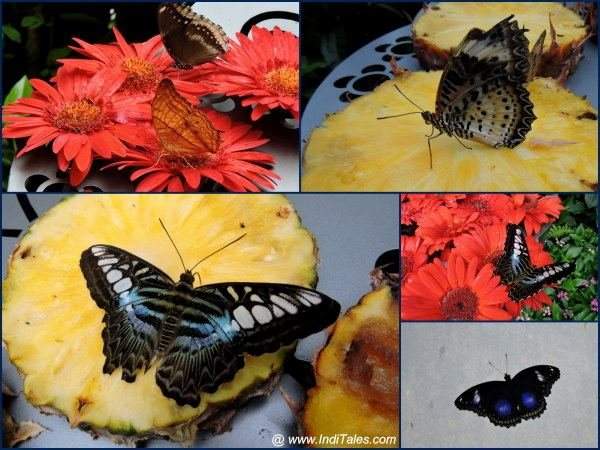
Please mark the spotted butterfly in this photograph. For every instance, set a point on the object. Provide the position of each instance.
(190, 38)
(516, 271)
(506, 403)
(197, 336)
(482, 94)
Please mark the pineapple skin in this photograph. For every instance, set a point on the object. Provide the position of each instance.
(340, 403)
(353, 151)
(437, 32)
(52, 327)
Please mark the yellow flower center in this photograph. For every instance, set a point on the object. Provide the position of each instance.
(81, 116)
(283, 81)
(141, 75)
(459, 304)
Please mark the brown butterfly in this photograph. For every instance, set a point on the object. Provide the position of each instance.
(183, 130)
(190, 38)
(482, 94)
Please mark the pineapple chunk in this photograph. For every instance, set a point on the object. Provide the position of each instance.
(440, 28)
(353, 151)
(52, 328)
(357, 377)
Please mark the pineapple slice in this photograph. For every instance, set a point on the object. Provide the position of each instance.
(440, 28)
(357, 378)
(353, 151)
(52, 328)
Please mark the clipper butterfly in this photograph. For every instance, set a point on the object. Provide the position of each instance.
(506, 403)
(196, 336)
(516, 271)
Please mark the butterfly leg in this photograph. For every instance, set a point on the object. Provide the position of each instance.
(461, 143)
(429, 139)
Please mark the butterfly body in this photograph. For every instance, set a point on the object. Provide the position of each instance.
(506, 403)
(195, 336)
(517, 272)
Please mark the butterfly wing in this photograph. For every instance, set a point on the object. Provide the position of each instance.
(515, 260)
(190, 38)
(541, 376)
(225, 320)
(536, 278)
(498, 113)
(182, 129)
(130, 291)
(504, 44)
(481, 92)
(271, 315)
(530, 387)
(494, 400)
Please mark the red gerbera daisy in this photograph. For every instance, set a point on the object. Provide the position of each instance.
(535, 209)
(234, 167)
(137, 67)
(83, 116)
(263, 69)
(458, 291)
(413, 255)
(415, 206)
(442, 225)
(492, 208)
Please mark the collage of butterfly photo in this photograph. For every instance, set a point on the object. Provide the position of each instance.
(313, 223)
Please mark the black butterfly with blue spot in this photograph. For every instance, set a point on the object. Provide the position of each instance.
(197, 336)
(506, 403)
(517, 272)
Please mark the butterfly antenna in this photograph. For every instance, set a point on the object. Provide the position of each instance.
(492, 364)
(406, 97)
(172, 242)
(218, 250)
(398, 115)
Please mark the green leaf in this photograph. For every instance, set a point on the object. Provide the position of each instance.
(21, 89)
(575, 207)
(581, 315)
(12, 33)
(556, 313)
(32, 22)
(57, 53)
(573, 252)
(591, 316)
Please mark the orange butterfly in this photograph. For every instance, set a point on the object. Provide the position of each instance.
(183, 130)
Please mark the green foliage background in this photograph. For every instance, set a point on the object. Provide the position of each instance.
(574, 236)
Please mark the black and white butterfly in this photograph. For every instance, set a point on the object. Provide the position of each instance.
(190, 38)
(197, 336)
(506, 403)
(482, 94)
(516, 271)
